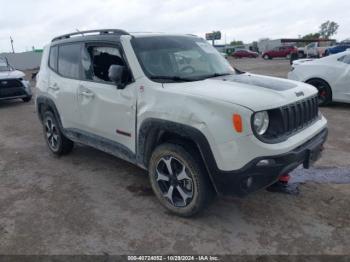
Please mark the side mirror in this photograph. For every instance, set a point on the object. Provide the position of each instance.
(115, 74)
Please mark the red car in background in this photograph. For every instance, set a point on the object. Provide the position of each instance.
(245, 53)
(280, 51)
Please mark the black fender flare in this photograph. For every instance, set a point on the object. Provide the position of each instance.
(149, 132)
(48, 103)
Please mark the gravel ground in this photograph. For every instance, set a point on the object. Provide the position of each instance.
(92, 203)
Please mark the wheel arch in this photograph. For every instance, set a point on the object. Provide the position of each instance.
(43, 104)
(320, 79)
(154, 132)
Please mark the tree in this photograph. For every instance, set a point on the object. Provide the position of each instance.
(311, 36)
(238, 42)
(328, 28)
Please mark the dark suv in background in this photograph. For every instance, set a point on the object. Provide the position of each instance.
(12, 83)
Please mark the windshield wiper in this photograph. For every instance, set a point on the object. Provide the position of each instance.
(216, 75)
(173, 78)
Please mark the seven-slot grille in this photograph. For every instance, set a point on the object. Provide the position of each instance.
(8, 83)
(300, 114)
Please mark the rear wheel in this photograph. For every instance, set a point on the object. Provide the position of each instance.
(179, 180)
(324, 91)
(56, 141)
(266, 57)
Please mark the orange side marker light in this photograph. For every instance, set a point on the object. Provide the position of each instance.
(237, 123)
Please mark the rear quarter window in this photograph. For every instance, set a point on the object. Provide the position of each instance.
(69, 60)
(53, 58)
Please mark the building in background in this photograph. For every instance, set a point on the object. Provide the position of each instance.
(25, 60)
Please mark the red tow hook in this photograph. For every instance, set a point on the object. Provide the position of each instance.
(284, 178)
(282, 186)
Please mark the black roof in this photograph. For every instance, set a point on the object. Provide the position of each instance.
(91, 35)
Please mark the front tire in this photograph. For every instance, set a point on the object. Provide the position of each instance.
(266, 57)
(56, 141)
(324, 91)
(179, 180)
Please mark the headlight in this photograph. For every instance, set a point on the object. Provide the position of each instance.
(261, 122)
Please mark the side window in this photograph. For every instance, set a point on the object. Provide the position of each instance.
(53, 58)
(96, 61)
(345, 59)
(69, 60)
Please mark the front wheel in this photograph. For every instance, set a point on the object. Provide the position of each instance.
(324, 91)
(179, 180)
(266, 57)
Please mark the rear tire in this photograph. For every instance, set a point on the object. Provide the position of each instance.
(324, 91)
(56, 141)
(266, 57)
(179, 180)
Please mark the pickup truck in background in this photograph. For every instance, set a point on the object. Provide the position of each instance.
(315, 49)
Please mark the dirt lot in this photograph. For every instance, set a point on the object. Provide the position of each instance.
(92, 203)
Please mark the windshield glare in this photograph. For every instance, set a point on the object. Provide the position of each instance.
(181, 57)
(4, 66)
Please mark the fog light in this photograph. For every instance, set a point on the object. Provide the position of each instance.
(266, 162)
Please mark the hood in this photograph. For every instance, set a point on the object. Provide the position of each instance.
(301, 61)
(11, 74)
(255, 92)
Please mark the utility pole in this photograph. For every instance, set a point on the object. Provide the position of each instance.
(213, 38)
(13, 50)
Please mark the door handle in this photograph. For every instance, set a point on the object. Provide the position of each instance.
(87, 93)
(54, 87)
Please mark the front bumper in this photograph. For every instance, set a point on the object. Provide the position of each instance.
(22, 90)
(252, 177)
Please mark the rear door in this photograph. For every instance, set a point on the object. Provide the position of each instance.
(275, 52)
(283, 51)
(64, 62)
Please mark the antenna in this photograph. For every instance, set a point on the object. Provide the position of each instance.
(80, 32)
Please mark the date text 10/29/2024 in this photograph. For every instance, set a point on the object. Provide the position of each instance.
(173, 258)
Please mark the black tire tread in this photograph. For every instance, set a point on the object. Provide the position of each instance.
(204, 186)
(329, 90)
(66, 145)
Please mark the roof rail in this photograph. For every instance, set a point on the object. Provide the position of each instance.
(99, 31)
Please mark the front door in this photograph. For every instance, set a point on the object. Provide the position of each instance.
(342, 84)
(106, 111)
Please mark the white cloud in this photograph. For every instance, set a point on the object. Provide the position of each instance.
(35, 23)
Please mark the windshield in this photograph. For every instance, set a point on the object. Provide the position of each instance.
(4, 66)
(179, 58)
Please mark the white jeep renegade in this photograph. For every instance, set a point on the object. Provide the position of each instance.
(173, 105)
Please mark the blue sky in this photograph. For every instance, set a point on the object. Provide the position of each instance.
(35, 23)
